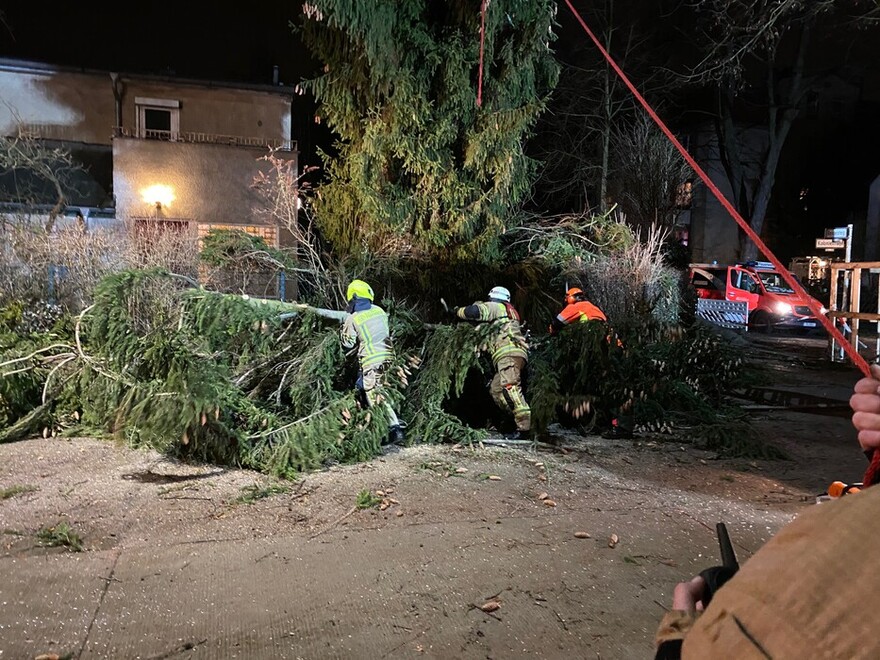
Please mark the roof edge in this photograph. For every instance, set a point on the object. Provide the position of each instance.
(40, 67)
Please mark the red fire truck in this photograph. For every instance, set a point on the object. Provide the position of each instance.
(772, 303)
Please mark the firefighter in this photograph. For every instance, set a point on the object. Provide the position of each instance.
(577, 309)
(580, 310)
(509, 356)
(367, 327)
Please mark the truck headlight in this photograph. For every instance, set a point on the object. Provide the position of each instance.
(782, 308)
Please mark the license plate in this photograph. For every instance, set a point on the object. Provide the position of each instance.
(809, 324)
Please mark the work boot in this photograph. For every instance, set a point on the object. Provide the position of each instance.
(396, 436)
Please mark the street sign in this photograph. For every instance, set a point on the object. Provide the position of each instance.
(831, 243)
(836, 233)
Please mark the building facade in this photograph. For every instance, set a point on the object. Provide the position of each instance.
(150, 148)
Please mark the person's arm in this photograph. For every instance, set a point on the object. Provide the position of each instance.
(557, 324)
(348, 333)
(475, 312)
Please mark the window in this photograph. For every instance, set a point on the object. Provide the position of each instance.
(157, 119)
(745, 281)
(684, 195)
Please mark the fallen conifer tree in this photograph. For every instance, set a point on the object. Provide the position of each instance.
(224, 378)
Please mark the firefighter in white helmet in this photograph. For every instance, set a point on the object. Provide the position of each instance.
(367, 326)
(509, 355)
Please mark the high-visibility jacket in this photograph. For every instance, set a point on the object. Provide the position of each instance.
(367, 326)
(577, 312)
(509, 340)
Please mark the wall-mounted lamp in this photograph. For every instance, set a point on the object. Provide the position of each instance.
(158, 195)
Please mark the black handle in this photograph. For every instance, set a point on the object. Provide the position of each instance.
(728, 556)
(716, 576)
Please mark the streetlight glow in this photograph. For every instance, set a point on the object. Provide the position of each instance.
(158, 195)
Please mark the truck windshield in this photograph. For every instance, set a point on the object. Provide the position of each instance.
(774, 283)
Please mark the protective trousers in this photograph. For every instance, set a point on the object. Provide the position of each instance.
(372, 382)
(506, 390)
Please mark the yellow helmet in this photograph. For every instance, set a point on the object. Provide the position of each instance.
(360, 289)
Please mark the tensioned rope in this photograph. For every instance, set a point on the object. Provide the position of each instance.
(483, 8)
(873, 471)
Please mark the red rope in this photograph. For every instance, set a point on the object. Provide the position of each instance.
(482, 39)
(874, 469)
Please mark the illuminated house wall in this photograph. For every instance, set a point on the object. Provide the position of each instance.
(202, 139)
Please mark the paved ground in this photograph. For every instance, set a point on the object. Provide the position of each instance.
(173, 566)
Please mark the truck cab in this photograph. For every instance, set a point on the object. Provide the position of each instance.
(772, 303)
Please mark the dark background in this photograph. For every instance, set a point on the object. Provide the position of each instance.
(236, 41)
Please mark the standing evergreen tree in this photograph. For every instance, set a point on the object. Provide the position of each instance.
(422, 169)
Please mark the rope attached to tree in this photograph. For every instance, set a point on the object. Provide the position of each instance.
(873, 472)
(483, 9)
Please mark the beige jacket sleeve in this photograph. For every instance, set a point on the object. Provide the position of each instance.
(675, 625)
(813, 591)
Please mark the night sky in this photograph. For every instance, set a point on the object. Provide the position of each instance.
(240, 42)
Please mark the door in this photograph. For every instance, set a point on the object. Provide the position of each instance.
(743, 286)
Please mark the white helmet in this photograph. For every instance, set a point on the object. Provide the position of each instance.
(499, 293)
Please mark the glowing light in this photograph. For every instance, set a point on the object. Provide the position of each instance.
(783, 308)
(158, 195)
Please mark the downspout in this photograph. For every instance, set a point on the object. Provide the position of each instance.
(118, 92)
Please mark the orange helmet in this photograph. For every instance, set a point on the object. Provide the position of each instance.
(573, 295)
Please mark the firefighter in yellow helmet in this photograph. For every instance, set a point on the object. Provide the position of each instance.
(367, 327)
(509, 355)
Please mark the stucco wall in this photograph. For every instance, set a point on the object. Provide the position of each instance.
(210, 182)
(80, 106)
(714, 234)
(872, 223)
(66, 105)
(215, 110)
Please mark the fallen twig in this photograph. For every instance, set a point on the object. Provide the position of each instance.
(335, 522)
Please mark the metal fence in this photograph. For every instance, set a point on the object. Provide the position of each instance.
(724, 313)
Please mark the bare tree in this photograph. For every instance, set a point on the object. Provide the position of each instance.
(649, 173)
(37, 171)
(589, 103)
(758, 61)
(284, 192)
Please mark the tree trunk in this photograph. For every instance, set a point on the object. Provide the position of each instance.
(606, 148)
(729, 152)
(748, 250)
(778, 128)
(608, 112)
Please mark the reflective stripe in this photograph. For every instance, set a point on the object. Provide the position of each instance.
(508, 349)
(581, 311)
(509, 340)
(371, 326)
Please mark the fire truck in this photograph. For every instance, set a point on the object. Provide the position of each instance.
(772, 304)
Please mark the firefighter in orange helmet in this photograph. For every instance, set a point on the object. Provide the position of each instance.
(577, 309)
(580, 310)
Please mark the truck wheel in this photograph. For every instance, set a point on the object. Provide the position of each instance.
(761, 322)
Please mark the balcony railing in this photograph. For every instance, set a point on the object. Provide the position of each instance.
(204, 138)
(38, 131)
